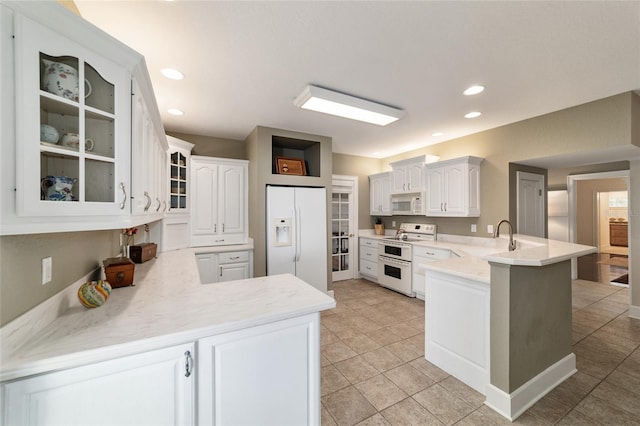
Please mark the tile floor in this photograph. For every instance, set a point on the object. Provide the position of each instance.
(374, 371)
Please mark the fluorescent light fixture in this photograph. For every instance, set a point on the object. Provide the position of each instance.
(175, 111)
(436, 134)
(474, 90)
(473, 114)
(335, 103)
(172, 73)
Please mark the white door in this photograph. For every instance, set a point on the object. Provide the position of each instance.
(343, 228)
(530, 208)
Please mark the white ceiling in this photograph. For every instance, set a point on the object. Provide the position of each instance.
(246, 61)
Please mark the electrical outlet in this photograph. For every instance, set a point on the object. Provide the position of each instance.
(393, 223)
(474, 227)
(489, 229)
(47, 266)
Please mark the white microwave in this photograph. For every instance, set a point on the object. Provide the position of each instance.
(408, 204)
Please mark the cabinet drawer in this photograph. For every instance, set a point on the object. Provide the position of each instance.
(369, 268)
(368, 253)
(233, 257)
(366, 242)
(429, 253)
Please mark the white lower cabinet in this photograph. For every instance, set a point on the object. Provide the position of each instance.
(421, 254)
(224, 266)
(152, 388)
(369, 258)
(264, 375)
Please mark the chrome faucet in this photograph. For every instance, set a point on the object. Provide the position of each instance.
(496, 234)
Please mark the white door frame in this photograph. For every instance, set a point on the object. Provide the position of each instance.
(572, 189)
(520, 175)
(352, 182)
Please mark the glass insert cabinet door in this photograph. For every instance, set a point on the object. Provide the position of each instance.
(73, 115)
(178, 181)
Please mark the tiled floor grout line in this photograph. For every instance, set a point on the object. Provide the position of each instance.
(477, 413)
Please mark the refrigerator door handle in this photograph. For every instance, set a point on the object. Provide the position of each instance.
(298, 231)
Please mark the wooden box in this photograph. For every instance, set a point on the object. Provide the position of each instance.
(142, 252)
(119, 271)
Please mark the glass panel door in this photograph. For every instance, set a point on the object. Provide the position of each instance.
(342, 256)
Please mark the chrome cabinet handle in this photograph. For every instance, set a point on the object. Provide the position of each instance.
(445, 207)
(234, 257)
(441, 207)
(164, 203)
(220, 270)
(215, 227)
(188, 364)
(146, 207)
(124, 199)
(159, 204)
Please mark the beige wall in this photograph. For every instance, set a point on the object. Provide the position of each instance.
(606, 123)
(74, 255)
(361, 167)
(214, 147)
(558, 177)
(587, 206)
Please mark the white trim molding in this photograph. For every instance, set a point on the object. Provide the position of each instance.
(634, 312)
(517, 402)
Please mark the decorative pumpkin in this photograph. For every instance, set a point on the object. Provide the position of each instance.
(94, 293)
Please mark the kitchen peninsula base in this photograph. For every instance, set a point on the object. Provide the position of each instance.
(502, 323)
(203, 352)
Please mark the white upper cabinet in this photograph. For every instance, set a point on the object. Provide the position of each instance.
(179, 164)
(148, 152)
(219, 201)
(380, 194)
(73, 120)
(71, 160)
(453, 187)
(408, 175)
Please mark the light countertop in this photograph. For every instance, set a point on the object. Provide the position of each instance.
(473, 254)
(167, 306)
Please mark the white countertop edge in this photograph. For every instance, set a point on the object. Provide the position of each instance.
(80, 358)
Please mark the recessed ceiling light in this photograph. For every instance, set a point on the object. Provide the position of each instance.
(172, 73)
(175, 111)
(473, 90)
(436, 134)
(473, 114)
(336, 103)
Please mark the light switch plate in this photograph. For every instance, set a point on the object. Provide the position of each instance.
(474, 227)
(393, 223)
(47, 265)
(489, 229)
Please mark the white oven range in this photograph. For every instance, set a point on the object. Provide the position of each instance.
(394, 256)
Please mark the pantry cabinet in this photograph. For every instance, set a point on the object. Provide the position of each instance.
(408, 175)
(380, 194)
(155, 387)
(453, 187)
(219, 201)
(74, 153)
(269, 374)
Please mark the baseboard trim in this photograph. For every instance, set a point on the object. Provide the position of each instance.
(634, 312)
(331, 294)
(517, 402)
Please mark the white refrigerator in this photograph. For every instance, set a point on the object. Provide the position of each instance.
(297, 233)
